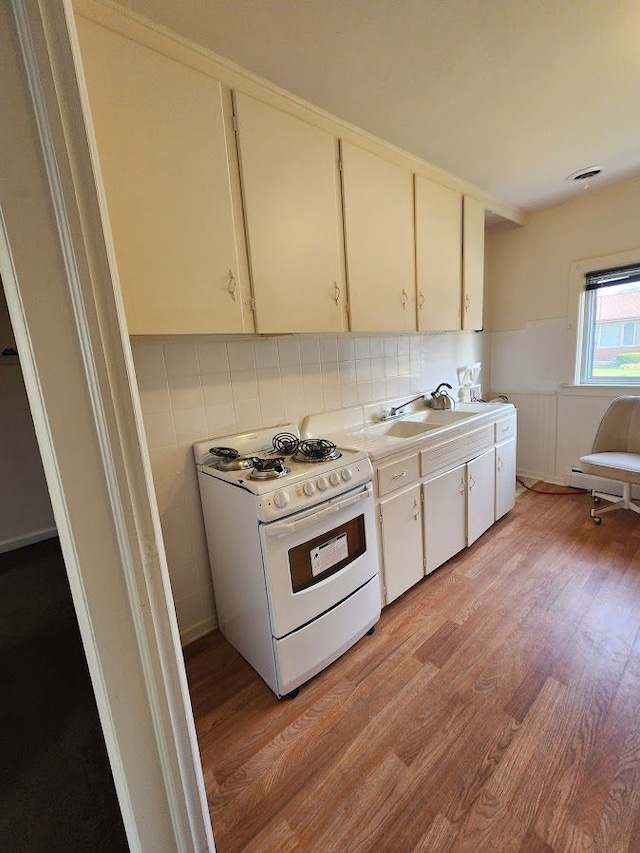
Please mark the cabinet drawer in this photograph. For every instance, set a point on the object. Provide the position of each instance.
(506, 428)
(396, 474)
(455, 452)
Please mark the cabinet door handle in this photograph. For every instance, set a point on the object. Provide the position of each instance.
(232, 286)
(416, 510)
(472, 482)
(467, 303)
(405, 298)
(399, 475)
(500, 464)
(421, 301)
(336, 292)
(463, 487)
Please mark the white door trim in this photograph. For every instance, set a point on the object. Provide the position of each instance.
(61, 286)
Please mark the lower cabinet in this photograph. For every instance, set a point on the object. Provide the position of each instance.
(458, 508)
(481, 484)
(437, 500)
(505, 477)
(445, 513)
(400, 527)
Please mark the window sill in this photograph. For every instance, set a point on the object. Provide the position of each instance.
(572, 390)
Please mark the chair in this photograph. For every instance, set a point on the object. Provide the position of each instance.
(616, 454)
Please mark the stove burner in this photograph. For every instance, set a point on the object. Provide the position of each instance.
(316, 450)
(229, 459)
(224, 452)
(285, 443)
(268, 469)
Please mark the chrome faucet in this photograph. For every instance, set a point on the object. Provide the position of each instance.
(393, 411)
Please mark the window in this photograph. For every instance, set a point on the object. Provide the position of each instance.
(611, 331)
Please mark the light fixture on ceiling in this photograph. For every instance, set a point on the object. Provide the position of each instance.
(585, 176)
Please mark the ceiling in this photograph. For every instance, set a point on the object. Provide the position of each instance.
(511, 95)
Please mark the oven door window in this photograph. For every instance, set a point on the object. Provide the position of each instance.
(323, 556)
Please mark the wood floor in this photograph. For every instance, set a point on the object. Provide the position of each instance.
(496, 708)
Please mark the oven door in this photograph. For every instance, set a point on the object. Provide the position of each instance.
(317, 558)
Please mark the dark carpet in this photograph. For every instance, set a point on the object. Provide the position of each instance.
(56, 785)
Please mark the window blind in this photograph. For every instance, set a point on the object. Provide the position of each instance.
(611, 277)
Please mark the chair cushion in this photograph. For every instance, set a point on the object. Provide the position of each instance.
(624, 467)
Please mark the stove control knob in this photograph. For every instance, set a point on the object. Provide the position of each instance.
(334, 478)
(308, 489)
(347, 474)
(281, 499)
(322, 484)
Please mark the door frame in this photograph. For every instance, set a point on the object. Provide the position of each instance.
(60, 280)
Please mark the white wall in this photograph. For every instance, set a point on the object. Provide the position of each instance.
(196, 388)
(25, 510)
(530, 314)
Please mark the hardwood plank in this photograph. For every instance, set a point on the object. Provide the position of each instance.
(496, 707)
(508, 802)
(279, 836)
(361, 810)
(584, 812)
(439, 836)
(533, 844)
(623, 801)
(320, 801)
(441, 645)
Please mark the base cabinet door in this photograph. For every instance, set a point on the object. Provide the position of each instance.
(480, 495)
(445, 515)
(400, 519)
(505, 477)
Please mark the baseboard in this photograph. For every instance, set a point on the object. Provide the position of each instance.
(542, 477)
(27, 539)
(579, 480)
(194, 632)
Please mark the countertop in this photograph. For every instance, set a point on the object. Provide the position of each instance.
(371, 435)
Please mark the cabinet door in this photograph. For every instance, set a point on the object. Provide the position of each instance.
(445, 514)
(505, 477)
(379, 239)
(162, 147)
(481, 481)
(401, 529)
(472, 264)
(438, 256)
(291, 197)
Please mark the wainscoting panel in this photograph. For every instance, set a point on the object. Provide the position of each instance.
(537, 417)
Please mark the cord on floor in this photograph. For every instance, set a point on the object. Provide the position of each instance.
(544, 492)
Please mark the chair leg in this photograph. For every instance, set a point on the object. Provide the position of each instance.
(616, 503)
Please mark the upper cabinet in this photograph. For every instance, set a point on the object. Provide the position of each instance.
(162, 146)
(472, 264)
(291, 197)
(379, 240)
(438, 256)
(234, 208)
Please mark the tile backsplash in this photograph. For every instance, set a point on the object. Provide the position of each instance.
(195, 388)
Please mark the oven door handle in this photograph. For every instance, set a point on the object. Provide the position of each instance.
(281, 528)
